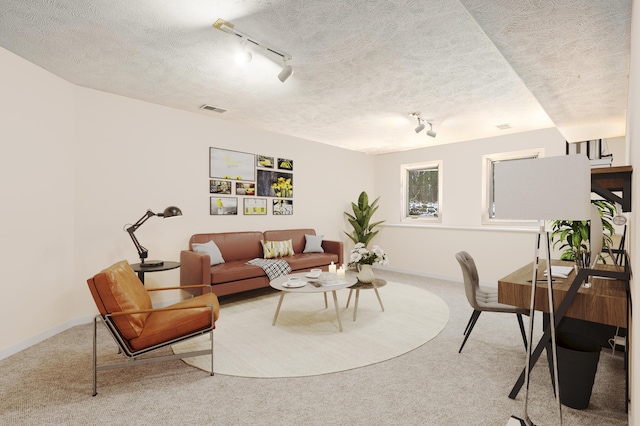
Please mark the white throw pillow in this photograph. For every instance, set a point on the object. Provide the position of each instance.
(313, 244)
(211, 249)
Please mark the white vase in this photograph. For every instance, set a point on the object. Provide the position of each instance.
(365, 273)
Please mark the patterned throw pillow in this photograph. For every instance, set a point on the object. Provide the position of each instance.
(273, 249)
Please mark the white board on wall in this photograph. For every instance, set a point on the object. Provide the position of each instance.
(551, 188)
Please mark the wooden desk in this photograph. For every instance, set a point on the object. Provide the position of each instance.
(605, 302)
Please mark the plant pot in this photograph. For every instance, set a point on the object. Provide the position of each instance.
(365, 274)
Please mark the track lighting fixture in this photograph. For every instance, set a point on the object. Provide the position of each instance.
(229, 28)
(421, 124)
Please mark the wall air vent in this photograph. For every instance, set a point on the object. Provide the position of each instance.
(207, 107)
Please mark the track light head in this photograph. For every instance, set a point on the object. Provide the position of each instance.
(286, 72)
(430, 132)
(243, 56)
(420, 123)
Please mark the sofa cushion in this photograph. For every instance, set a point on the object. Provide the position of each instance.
(313, 244)
(272, 249)
(302, 261)
(235, 270)
(210, 248)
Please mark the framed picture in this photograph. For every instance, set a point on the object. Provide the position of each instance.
(233, 165)
(284, 164)
(282, 207)
(255, 206)
(264, 161)
(219, 187)
(224, 205)
(245, 188)
(275, 184)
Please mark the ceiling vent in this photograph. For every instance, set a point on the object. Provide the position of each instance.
(207, 107)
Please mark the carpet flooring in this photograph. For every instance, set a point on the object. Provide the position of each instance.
(50, 383)
(306, 341)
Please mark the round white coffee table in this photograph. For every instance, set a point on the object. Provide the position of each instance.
(279, 282)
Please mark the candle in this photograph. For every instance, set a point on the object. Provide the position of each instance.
(341, 273)
(332, 268)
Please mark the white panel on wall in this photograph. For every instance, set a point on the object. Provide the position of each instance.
(551, 188)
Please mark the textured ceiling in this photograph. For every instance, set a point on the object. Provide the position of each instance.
(361, 66)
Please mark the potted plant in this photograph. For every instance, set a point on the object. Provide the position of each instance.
(572, 235)
(362, 258)
(361, 219)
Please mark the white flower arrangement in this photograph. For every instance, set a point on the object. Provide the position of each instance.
(360, 255)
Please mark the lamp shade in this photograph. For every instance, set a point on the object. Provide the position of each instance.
(171, 211)
(552, 188)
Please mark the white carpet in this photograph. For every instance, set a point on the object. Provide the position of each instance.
(306, 341)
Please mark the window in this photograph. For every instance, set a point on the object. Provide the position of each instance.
(422, 188)
(488, 168)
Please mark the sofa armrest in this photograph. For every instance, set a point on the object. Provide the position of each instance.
(194, 268)
(335, 247)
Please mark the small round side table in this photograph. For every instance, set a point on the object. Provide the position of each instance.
(141, 270)
(377, 283)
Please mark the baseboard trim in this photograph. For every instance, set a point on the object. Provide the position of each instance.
(434, 276)
(33, 340)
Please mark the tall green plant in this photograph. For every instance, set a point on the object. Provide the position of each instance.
(361, 219)
(572, 235)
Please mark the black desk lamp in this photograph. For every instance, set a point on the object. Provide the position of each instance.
(143, 252)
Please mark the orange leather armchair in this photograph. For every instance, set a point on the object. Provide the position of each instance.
(138, 328)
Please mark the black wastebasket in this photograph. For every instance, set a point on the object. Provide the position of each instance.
(578, 358)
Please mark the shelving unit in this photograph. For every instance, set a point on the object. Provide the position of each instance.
(606, 181)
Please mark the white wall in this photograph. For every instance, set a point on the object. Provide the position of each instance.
(84, 163)
(36, 175)
(139, 156)
(430, 249)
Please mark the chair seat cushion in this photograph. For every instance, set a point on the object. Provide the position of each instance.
(487, 299)
(164, 326)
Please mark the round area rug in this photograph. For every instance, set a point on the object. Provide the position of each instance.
(306, 341)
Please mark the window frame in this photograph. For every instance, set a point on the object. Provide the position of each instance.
(404, 171)
(487, 182)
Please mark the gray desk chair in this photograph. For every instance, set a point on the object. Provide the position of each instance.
(483, 299)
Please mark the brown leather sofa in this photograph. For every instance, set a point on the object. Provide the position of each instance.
(237, 248)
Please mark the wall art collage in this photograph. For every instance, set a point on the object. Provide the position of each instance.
(240, 177)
